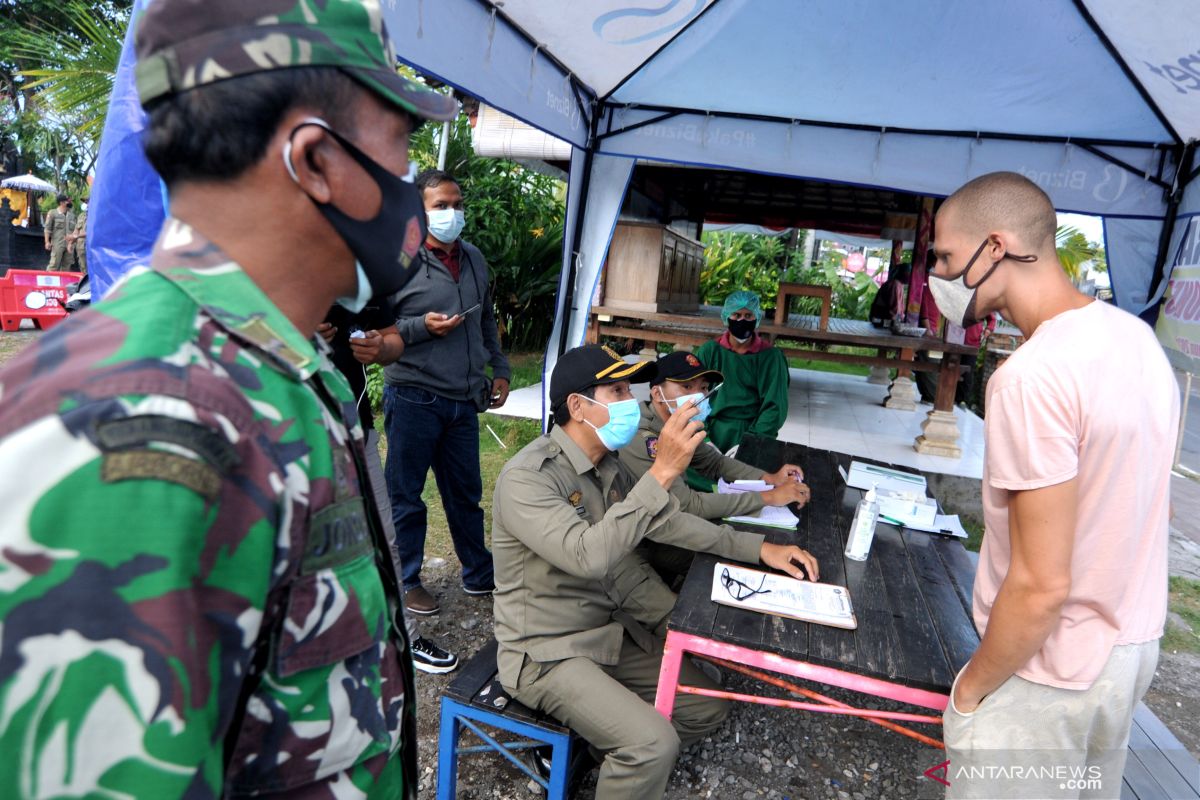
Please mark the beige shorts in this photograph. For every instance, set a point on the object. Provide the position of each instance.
(1027, 740)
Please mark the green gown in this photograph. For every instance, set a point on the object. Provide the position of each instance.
(753, 398)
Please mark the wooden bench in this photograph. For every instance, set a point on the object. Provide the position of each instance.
(790, 290)
(476, 698)
(1159, 767)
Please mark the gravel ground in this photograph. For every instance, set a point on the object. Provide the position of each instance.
(760, 752)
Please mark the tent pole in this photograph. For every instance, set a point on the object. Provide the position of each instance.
(568, 300)
(443, 145)
(1182, 173)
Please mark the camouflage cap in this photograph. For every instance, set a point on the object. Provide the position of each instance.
(182, 44)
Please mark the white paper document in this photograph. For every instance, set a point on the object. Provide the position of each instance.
(771, 516)
(771, 593)
(736, 487)
(946, 524)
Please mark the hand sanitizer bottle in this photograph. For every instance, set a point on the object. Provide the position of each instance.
(862, 529)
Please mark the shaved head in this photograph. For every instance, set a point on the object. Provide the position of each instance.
(1004, 201)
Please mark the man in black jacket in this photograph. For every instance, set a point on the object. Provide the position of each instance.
(435, 390)
(359, 339)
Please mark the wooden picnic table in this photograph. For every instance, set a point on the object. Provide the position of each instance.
(912, 599)
(693, 329)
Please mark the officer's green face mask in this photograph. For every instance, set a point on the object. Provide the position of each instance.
(622, 425)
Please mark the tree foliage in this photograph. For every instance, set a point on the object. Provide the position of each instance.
(57, 64)
(1074, 250)
(751, 262)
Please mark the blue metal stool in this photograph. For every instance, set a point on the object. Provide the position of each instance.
(475, 699)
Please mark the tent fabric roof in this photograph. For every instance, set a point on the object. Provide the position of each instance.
(1083, 69)
(984, 69)
(1096, 101)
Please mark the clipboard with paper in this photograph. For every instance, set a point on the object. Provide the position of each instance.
(783, 596)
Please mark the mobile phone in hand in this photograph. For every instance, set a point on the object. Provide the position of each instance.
(464, 312)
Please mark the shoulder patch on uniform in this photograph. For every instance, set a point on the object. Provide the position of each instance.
(652, 447)
(159, 465)
(140, 431)
(339, 534)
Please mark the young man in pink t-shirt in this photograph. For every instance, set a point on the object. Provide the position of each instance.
(1071, 593)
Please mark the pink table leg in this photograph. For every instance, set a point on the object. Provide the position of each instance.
(678, 644)
(668, 674)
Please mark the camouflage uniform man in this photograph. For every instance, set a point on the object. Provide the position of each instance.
(194, 600)
(60, 223)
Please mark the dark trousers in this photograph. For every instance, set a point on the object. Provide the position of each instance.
(426, 430)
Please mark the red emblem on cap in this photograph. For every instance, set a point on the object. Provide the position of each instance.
(692, 361)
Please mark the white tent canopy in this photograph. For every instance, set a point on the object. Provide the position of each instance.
(1098, 101)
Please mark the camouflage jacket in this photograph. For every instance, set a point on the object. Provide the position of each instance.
(181, 502)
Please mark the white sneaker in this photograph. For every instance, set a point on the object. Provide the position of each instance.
(428, 657)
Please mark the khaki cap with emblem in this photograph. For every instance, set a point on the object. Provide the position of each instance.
(182, 44)
(593, 365)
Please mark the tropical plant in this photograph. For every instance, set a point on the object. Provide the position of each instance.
(58, 61)
(738, 261)
(1073, 250)
(79, 57)
(759, 264)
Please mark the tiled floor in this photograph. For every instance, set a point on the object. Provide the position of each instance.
(845, 414)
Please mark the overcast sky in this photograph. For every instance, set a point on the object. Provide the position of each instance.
(1090, 227)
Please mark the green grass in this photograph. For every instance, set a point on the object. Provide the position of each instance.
(514, 433)
(830, 366)
(1184, 600)
(974, 529)
(526, 369)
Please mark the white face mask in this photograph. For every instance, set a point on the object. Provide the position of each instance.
(446, 223)
(955, 298)
(700, 399)
(359, 301)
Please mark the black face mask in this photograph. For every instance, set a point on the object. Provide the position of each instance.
(742, 329)
(387, 245)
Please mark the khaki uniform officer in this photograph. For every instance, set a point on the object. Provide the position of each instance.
(77, 240)
(580, 617)
(682, 377)
(59, 223)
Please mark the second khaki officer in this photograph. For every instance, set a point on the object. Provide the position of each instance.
(682, 377)
(77, 239)
(580, 617)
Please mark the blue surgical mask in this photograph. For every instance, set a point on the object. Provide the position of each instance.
(622, 425)
(446, 224)
(359, 301)
(699, 398)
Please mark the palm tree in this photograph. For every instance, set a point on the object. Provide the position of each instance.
(1073, 250)
(78, 62)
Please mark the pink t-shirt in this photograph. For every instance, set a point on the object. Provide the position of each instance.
(1089, 395)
